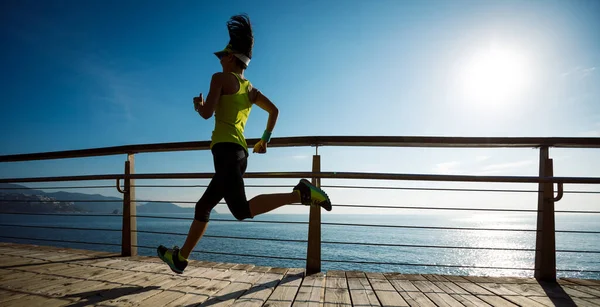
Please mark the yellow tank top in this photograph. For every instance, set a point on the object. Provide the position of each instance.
(231, 114)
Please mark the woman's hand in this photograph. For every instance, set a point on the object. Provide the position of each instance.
(260, 147)
(198, 103)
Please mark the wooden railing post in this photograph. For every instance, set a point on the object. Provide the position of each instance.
(129, 234)
(545, 255)
(313, 254)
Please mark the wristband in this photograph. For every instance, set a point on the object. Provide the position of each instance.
(266, 136)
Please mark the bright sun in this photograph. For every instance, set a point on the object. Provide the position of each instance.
(496, 76)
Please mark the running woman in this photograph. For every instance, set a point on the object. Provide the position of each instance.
(231, 98)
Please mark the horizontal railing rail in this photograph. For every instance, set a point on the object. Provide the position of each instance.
(320, 175)
(304, 141)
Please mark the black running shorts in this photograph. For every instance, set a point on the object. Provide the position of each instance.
(230, 162)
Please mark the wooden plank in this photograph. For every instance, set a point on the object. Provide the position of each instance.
(36, 301)
(355, 274)
(455, 278)
(443, 300)
(41, 281)
(278, 270)
(469, 300)
(336, 273)
(427, 286)
(225, 265)
(473, 288)
(526, 289)
(589, 290)
(403, 285)
(595, 301)
(311, 292)
(411, 293)
(554, 290)
(287, 289)
(258, 295)
(572, 292)
(19, 282)
(546, 301)
(583, 302)
(155, 286)
(228, 295)
(243, 267)
(188, 299)
(108, 293)
(260, 269)
(583, 282)
(9, 275)
(336, 290)
(496, 288)
(15, 261)
(386, 293)
(433, 277)
(401, 276)
(361, 292)
(375, 275)
(208, 289)
(496, 301)
(522, 301)
(7, 295)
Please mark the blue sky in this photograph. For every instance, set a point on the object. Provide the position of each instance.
(105, 73)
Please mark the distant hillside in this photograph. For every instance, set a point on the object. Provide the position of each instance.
(79, 202)
(17, 202)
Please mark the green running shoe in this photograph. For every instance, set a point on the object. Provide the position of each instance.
(171, 257)
(312, 195)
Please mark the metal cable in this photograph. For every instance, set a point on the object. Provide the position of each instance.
(63, 201)
(429, 227)
(425, 264)
(55, 188)
(576, 231)
(224, 237)
(232, 254)
(61, 214)
(431, 246)
(446, 189)
(59, 227)
(61, 241)
(164, 217)
(206, 185)
(434, 208)
(573, 251)
(168, 201)
(584, 271)
(219, 220)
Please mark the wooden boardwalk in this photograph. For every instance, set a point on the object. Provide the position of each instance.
(49, 276)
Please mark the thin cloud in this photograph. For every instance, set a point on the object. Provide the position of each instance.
(505, 166)
(580, 72)
(446, 167)
(119, 90)
(481, 158)
(590, 133)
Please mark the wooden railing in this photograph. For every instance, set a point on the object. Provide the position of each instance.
(545, 255)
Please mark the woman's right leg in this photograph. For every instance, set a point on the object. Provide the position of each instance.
(210, 198)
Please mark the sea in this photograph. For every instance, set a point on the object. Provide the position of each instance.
(422, 251)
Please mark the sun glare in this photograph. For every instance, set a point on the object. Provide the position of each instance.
(495, 76)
